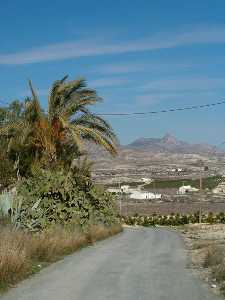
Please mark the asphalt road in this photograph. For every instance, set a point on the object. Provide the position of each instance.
(138, 264)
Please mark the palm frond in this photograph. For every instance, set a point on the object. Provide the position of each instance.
(97, 137)
(53, 99)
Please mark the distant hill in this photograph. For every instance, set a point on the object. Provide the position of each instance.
(171, 144)
(154, 157)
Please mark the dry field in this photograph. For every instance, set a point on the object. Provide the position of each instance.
(148, 208)
(206, 248)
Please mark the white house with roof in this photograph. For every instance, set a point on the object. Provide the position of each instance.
(139, 195)
(220, 189)
(147, 180)
(186, 189)
(135, 193)
(125, 189)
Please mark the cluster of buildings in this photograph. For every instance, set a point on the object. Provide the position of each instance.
(136, 193)
(140, 194)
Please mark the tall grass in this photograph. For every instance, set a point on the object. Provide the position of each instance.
(21, 251)
(15, 263)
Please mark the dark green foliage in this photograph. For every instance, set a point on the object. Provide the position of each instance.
(7, 159)
(208, 182)
(210, 218)
(172, 219)
(7, 172)
(221, 217)
(53, 197)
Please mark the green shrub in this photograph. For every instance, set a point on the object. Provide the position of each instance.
(172, 219)
(53, 197)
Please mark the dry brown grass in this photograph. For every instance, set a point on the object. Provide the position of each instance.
(49, 246)
(20, 251)
(214, 256)
(219, 272)
(206, 245)
(14, 260)
(215, 259)
(99, 232)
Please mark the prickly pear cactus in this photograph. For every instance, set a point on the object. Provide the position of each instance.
(53, 197)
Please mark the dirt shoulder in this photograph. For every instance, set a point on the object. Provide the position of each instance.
(205, 245)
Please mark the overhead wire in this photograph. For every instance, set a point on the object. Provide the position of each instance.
(164, 110)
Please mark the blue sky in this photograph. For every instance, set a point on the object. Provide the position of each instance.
(140, 55)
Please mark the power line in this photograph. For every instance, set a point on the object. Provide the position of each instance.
(164, 110)
(156, 112)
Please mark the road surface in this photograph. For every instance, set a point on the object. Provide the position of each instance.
(138, 264)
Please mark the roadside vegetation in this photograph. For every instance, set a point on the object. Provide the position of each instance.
(23, 254)
(173, 219)
(50, 206)
(205, 245)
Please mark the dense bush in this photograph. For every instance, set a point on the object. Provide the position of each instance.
(53, 197)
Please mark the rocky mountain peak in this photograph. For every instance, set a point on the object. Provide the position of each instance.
(169, 139)
(171, 144)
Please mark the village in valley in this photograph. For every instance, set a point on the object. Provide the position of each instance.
(150, 180)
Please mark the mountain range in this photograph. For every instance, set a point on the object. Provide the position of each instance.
(170, 144)
(141, 148)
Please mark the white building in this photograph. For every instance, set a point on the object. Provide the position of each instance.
(134, 193)
(220, 189)
(186, 189)
(147, 180)
(125, 188)
(177, 170)
(144, 195)
(114, 190)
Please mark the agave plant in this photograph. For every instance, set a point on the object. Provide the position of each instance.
(11, 206)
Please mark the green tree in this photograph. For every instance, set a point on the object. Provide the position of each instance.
(60, 134)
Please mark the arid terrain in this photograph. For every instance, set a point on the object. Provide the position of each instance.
(170, 163)
(205, 246)
(158, 158)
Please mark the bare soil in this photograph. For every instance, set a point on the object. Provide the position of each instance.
(205, 245)
(148, 208)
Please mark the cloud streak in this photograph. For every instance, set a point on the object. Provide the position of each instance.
(109, 82)
(159, 97)
(134, 67)
(90, 47)
(186, 84)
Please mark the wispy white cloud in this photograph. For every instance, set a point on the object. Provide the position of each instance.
(151, 98)
(109, 82)
(90, 47)
(120, 68)
(133, 67)
(186, 84)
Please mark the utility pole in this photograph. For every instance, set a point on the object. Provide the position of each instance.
(200, 182)
(200, 188)
(120, 198)
(154, 186)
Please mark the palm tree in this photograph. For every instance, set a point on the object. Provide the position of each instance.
(61, 132)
